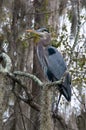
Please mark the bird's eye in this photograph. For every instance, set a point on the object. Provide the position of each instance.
(45, 30)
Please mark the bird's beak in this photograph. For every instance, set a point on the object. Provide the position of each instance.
(32, 31)
(35, 35)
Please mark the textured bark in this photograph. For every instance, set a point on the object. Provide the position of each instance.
(46, 122)
(39, 118)
(2, 98)
(26, 57)
(54, 16)
(22, 57)
(81, 121)
(36, 91)
(41, 15)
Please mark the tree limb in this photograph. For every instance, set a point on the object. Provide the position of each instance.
(28, 100)
(31, 76)
(36, 80)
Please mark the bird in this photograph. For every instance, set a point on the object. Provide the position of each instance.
(52, 62)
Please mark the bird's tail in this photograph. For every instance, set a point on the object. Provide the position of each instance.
(65, 87)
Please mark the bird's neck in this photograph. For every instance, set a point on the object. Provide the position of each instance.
(46, 41)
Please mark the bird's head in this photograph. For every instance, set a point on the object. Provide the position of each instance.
(40, 34)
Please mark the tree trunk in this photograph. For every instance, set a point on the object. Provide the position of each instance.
(46, 115)
(2, 98)
(41, 21)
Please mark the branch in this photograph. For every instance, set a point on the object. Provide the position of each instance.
(31, 76)
(28, 100)
(36, 80)
(28, 119)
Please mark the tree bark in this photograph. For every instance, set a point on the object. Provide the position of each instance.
(2, 99)
(41, 21)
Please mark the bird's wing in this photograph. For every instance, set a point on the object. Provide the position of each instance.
(55, 62)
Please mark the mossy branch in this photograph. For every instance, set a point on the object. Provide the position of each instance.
(7, 70)
(31, 76)
(37, 80)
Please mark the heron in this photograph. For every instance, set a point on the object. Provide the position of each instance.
(52, 62)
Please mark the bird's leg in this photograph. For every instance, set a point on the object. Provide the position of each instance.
(56, 110)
